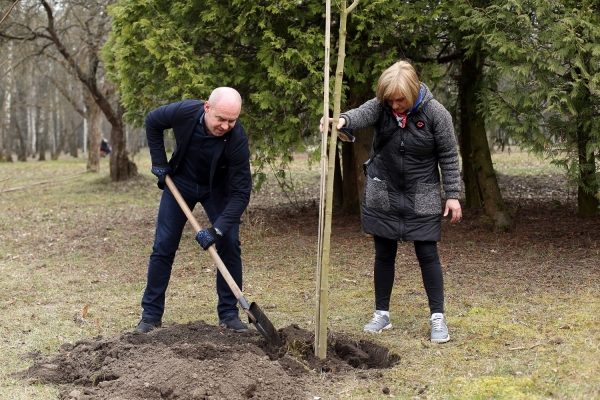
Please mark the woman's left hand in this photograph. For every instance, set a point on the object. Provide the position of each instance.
(452, 205)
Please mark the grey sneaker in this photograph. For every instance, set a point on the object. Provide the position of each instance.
(379, 322)
(439, 329)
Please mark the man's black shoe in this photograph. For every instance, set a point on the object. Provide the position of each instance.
(233, 322)
(146, 325)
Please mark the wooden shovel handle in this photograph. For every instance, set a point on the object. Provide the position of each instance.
(211, 250)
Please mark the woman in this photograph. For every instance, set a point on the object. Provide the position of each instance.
(413, 141)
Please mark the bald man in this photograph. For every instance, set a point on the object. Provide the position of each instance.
(210, 166)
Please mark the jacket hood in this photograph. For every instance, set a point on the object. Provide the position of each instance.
(426, 96)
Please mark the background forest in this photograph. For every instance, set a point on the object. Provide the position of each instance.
(524, 72)
(521, 79)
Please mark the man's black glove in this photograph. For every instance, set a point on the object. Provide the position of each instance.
(208, 236)
(161, 173)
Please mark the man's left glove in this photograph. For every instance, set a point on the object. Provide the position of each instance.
(161, 172)
(208, 236)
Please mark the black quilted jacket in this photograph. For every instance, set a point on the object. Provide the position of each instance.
(402, 198)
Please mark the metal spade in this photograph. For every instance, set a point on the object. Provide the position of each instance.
(255, 315)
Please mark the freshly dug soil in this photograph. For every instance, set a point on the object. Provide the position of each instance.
(201, 361)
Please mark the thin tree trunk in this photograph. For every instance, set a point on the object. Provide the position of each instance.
(53, 123)
(338, 184)
(588, 186)
(86, 133)
(5, 151)
(121, 167)
(42, 134)
(588, 202)
(32, 108)
(69, 135)
(94, 123)
(362, 152)
(494, 205)
(353, 157)
(350, 203)
(31, 128)
(73, 149)
(61, 134)
(469, 172)
(322, 278)
(21, 141)
(5, 124)
(325, 243)
(345, 198)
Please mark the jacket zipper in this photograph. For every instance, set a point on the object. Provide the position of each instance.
(402, 197)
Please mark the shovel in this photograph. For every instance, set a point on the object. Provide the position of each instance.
(255, 314)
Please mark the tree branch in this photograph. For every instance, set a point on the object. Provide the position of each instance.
(89, 80)
(352, 6)
(8, 12)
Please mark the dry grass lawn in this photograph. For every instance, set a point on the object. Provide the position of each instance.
(522, 307)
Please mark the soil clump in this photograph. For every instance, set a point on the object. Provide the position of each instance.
(202, 361)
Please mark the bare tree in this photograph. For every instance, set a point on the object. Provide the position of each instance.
(72, 34)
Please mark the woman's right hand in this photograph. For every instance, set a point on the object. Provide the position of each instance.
(340, 125)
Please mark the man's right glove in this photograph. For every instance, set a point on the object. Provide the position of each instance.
(161, 173)
(208, 237)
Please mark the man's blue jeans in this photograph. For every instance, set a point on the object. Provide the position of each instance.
(169, 228)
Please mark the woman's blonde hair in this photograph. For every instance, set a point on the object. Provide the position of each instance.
(399, 78)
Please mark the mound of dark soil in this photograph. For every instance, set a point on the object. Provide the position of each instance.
(201, 361)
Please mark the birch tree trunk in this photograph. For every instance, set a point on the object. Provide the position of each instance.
(31, 137)
(86, 133)
(5, 151)
(93, 122)
(42, 133)
(53, 123)
(59, 133)
(21, 137)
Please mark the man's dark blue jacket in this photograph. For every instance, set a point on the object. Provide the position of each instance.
(230, 176)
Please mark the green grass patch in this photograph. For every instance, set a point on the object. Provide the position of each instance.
(495, 387)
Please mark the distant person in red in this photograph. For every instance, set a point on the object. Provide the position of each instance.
(105, 148)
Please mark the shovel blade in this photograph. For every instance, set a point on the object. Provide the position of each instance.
(263, 325)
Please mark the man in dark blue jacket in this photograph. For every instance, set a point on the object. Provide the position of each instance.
(210, 165)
